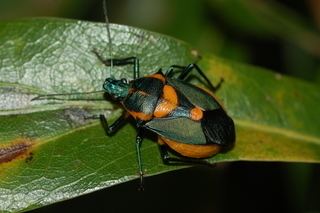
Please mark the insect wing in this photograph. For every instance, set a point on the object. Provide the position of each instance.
(216, 127)
(195, 95)
(179, 129)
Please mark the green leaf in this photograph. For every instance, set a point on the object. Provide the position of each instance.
(49, 149)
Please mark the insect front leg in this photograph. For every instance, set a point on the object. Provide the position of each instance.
(185, 70)
(115, 126)
(121, 62)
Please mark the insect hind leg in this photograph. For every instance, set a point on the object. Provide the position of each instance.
(168, 160)
(185, 70)
(121, 62)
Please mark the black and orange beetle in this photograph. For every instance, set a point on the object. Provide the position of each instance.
(187, 119)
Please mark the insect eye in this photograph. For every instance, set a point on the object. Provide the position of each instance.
(124, 80)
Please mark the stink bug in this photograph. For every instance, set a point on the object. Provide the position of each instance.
(187, 119)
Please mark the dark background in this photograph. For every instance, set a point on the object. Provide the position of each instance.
(279, 35)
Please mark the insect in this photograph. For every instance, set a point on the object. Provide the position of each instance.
(187, 119)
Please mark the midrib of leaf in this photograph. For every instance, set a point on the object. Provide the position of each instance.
(238, 122)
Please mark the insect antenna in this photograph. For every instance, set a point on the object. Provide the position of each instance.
(87, 96)
(108, 34)
(83, 95)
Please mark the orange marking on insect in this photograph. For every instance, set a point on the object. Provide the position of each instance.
(163, 109)
(196, 114)
(160, 141)
(140, 115)
(191, 150)
(142, 92)
(169, 93)
(158, 76)
(16, 149)
(131, 90)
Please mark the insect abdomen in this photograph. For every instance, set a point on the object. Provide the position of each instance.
(191, 150)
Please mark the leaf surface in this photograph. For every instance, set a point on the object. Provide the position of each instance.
(50, 149)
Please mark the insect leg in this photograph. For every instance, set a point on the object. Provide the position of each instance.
(170, 71)
(138, 151)
(187, 69)
(115, 126)
(121, 62)
(179, 160)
